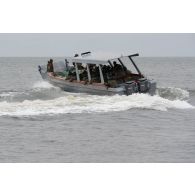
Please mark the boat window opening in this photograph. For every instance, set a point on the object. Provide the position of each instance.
(71, 71)
(94, 73)
(83, 74)
(115, 73)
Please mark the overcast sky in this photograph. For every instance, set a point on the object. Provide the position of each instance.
(69, 44)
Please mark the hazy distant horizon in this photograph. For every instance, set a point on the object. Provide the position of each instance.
(89, 57)
(109, 44)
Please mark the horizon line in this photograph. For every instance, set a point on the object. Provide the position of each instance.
(97, 57)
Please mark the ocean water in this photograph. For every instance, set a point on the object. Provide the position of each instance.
(41, 123)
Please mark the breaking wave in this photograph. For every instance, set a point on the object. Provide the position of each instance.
(42, 85)
(39, 91)
(44, 99)
(172, 93)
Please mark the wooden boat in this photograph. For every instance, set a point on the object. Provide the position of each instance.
(99, 77)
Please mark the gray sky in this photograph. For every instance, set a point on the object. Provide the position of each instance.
(69, 44)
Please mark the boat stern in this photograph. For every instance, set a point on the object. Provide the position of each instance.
(142, 85)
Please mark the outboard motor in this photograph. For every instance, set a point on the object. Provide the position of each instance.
(143, 85)
(131, 87)
(152, 87)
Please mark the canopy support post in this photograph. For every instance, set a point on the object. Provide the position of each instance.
(130, 57)
(88, 72)
(101, 74)
(77, 72)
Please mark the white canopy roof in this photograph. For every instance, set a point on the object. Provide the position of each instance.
(87, 61)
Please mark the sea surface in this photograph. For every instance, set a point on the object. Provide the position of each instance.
(41, 123)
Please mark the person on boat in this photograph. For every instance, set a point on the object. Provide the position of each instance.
(50, 66)
(117, 67)
(119, 73)
(51, 62)
(105, 73)
(83, 75)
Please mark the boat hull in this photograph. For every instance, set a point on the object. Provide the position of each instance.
(94, 89)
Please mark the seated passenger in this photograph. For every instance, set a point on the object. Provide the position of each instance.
(105, 73)
(95, 75)
(83, 75)
(117, 67)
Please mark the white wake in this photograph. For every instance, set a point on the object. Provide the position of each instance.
(42, 85)
(81, 103)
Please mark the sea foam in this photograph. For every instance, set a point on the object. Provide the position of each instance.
(42, 85)
(82, 103)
